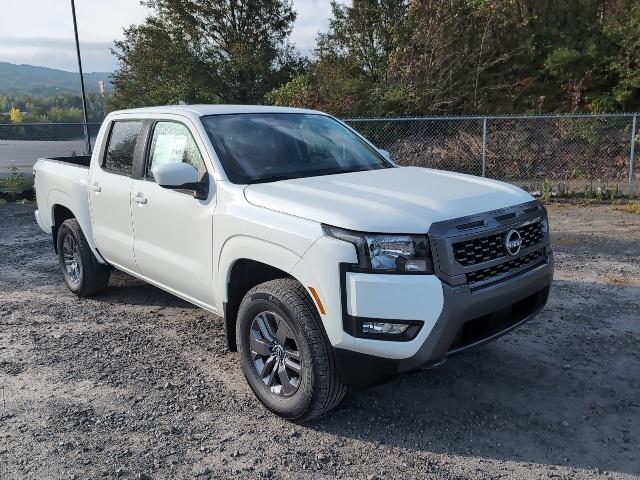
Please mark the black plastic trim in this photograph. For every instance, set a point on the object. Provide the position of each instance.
(359, 370)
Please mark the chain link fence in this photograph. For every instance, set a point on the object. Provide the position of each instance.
(22, 144)
(564, 155)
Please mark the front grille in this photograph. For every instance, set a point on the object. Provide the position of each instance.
(506, 267)
(485, 249)
(478, 250)
(531, 234)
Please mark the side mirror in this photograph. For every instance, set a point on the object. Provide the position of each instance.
(384, 153)
(179, 176)
(387, 155)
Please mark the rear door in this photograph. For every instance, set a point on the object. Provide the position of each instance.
(173, 230)
(110, 192)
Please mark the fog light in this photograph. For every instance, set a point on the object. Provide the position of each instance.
(380, 327)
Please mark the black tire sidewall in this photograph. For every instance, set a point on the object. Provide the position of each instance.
(287, 407)
(64, 231)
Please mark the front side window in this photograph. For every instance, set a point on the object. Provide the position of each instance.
(172, 143)
(120, 149)
(264, 147)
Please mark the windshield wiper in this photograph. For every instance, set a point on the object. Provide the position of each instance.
(276, 178)
(272, 178)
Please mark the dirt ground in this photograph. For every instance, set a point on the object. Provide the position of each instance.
(136, 383)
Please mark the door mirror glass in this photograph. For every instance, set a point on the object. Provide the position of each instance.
(175, 175)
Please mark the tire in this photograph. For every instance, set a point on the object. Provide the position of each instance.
(84, 276)
(319, 387)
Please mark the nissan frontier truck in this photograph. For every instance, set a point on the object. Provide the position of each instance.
(332, 266)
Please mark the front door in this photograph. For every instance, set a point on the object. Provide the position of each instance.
(173, 230)
(110, 193)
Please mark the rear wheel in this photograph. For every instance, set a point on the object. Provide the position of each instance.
(285, 354)
(82, 272)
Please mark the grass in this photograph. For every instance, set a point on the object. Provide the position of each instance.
(631, 207)
(16, 187)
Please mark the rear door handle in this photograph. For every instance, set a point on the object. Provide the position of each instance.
(139, 199)
(95, 187)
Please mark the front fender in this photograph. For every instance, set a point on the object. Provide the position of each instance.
(241, 247)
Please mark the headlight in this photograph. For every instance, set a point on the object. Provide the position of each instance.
(387, 252)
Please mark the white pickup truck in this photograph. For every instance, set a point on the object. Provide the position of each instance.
(331, 265)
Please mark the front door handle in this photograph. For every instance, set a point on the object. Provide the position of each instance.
(95, 187)
(139, 199)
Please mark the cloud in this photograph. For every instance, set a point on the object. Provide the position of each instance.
(57, 53)
(313, 17)
(46, 39)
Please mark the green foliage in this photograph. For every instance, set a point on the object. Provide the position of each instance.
(210, 51)
(478, 56)
(577, 173)
(581, 129)
(547, 190)
(57, 108)
(15, 183)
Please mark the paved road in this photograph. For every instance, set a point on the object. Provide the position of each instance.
(23, 154)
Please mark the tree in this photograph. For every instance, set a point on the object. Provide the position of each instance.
(349, 76)
(386, 57)
(15, 115)
(213, 51)
(622, 64)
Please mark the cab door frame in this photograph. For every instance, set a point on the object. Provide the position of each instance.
(97, 177)
(203, 297)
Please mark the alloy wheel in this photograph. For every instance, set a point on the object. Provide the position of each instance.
(71, 257)
(275, 353)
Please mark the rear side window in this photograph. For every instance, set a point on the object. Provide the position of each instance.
(122, 143)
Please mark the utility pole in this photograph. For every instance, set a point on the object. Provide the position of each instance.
(84, 98)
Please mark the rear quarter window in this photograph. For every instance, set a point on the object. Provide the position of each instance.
(120, 149)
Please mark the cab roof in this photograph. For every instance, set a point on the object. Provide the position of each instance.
(204, 110)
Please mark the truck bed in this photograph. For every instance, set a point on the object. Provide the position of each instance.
(62, 182)
(80, 160)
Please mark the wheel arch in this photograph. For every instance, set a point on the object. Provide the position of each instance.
(243, 275)
(244, 262)
(59, 213)
(62, 208)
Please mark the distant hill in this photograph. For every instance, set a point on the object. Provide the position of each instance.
(42, 81)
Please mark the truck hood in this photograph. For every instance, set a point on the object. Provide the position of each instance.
(393, 200)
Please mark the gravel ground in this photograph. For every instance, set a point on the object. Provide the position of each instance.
(136, 383)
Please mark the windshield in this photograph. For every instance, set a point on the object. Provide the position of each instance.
(265, 147)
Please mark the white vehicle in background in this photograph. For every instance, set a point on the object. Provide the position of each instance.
(331, 265)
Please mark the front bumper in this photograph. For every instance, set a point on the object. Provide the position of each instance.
(468, 319)
(477, 294)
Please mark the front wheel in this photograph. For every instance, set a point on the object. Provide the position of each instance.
(285, 354)
(81, 271)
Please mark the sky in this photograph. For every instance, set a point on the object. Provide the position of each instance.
(40, 32)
